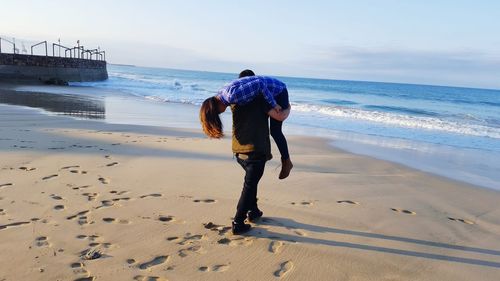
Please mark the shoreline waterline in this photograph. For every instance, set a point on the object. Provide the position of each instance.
(468, 166)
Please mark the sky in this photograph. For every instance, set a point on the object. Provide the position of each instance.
(440, 42)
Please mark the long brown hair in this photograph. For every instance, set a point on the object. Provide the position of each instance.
(210, 120)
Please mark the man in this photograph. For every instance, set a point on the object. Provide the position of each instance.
(252, 148)
(240, 92)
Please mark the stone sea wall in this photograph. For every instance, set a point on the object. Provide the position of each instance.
(47, 69)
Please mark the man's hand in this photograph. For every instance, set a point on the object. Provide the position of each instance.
(278, 108)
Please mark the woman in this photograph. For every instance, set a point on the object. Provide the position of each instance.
(242, 91)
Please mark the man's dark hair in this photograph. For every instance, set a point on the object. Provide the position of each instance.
(245, 73)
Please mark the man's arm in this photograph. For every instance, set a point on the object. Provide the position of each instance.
(281, 115)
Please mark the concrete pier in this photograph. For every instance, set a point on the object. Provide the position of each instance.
(50, 69)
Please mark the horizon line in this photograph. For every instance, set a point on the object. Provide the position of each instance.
(316, 78)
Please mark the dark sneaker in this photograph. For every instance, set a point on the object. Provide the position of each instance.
(254, 215)
(286, 167)
(239, 228)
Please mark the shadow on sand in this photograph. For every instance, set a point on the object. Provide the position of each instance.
(292, 224)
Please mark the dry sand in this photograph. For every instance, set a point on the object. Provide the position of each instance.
(151, 203)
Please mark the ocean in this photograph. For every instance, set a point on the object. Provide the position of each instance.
(449, 131)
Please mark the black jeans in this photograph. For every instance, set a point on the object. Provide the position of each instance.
(275, 126)
(254, 169)
(278, 137)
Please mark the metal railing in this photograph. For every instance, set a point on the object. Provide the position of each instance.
(78, 52)
(43, 42)
(66, 49)
(8, 41)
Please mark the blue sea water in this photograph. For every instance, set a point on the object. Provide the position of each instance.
(450, 131)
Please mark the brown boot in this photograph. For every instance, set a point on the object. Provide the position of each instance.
(286, 167)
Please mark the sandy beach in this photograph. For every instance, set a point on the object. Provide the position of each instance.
(85, 200)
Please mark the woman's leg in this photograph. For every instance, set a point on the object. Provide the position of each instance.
(275, 127)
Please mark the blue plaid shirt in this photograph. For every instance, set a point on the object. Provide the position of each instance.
(244, 90)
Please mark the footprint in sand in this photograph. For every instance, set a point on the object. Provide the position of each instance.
(118, 192)
(90, 278)
(27, 169)
(93, 237)
(192, 249)
(275, 247)
(149, 278)
(78, 268)
(81, 218)
(4, 226)
(204, 268)
(90, 238)
(42, 241)
(90, 195)
(70, 167)
(224, 241)
(190, 239)
(461, 220)
(154, 262)
(215, 268)
(104, 180)
(6, 184)
(112, 164)
(348, 202)
(91, 254)
(173, 238)
(166, 218)
(50, 177)
(78, 172)
(56, 197)
(93, 243)
(220, 267)
(121, 199)
(151, 195)
(284, 269)
(78, 187)
(59, 207)
(204, 200)
(237, 241)
(105, 204)
(215, 227)
(304, 203)
(103, 245)
(109, 220)
(2, 212)
(403, 211)
(113, 220)
(77, 215)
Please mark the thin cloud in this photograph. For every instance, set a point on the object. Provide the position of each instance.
(461, 68)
